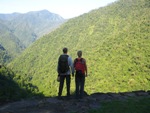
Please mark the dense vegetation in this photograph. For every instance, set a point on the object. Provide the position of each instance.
(4, 57)
(18, 31)
(9, 44)
(13, 88)
(115, 41)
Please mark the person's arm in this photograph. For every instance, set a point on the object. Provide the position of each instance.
(58, 66)
(85, 68)
(71, 65)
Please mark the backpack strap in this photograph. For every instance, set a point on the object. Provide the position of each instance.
(77, 60)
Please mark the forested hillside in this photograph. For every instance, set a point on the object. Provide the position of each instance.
(13, 89)
(9, 42)
(115, 41)
(4, 57)
(18, 31)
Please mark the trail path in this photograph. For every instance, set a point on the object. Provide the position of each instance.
(67, 105)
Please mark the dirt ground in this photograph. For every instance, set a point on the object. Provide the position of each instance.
(66, 104)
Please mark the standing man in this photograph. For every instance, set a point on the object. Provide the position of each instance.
(81, 72)
(64, 69)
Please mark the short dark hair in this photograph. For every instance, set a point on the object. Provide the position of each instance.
(65, 50)
(79, 53)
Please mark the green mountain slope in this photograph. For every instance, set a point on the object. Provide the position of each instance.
(4, 56)
(115, 41)
(10, 42)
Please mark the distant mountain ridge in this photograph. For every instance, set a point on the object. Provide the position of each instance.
(9, 17)
(30, 26)
(22, 29)
(45, 13)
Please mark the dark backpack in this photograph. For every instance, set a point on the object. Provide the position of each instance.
(63, 66)
(79, 65)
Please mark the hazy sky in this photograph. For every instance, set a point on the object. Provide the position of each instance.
(65, 8)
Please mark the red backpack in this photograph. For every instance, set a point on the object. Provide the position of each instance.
(79, 65)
